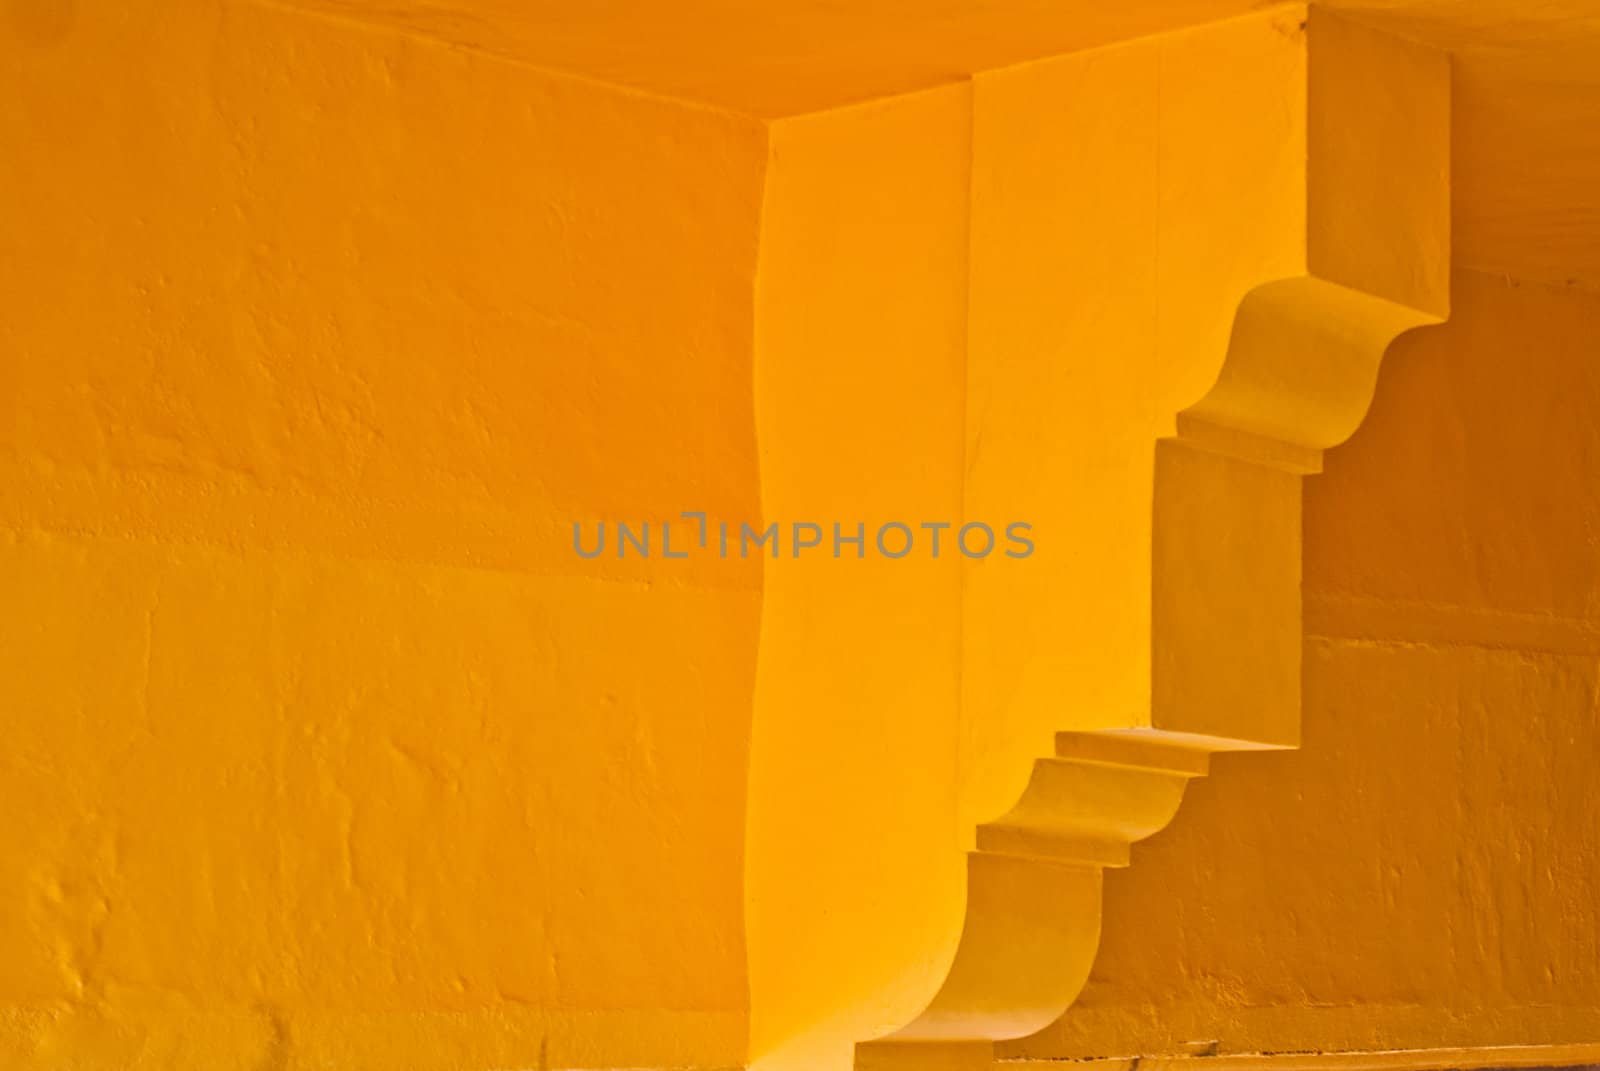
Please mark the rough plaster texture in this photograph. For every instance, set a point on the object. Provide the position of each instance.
(318, 738)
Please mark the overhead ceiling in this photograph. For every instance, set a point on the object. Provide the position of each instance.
(1527, 153)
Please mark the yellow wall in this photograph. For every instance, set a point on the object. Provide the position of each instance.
(1101, 306)
(1423, 872)
(318, 737)
(324, 747)
(1121, 204)
(854, 877)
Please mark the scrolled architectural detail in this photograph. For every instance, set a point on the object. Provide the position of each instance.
(1035, 879)
(1299, 372)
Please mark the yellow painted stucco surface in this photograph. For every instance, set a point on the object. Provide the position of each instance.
(1090, 329)
(323, 748)
(1526, 75)
(853, 861)
(1423, 872)
(319, 740)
